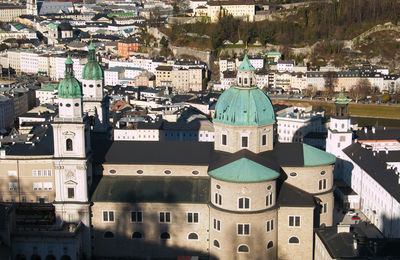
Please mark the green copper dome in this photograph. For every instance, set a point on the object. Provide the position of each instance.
(92, 69)
(246, 65)
(249, 106)
(69, 87)
(244, 171)
(342, 99)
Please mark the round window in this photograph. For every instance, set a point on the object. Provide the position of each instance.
(195, 172)
(61, 104)
(68, 105)
(293, 174)
(323, 173)
(218, 187)
(84, 85)
(139, 172)
(90, 86)
(113, 171)
(269, 187)
(167, 172)
(77, 104)
(98, 85)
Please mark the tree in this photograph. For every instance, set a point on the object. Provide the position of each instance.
(361, 90)
(310, 91)
(331, 80)
(164, 42)
(385, 97)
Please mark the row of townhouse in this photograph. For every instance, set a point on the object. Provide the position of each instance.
(34, 62)
(289, 81)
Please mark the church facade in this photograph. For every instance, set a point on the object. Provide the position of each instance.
(245, 196)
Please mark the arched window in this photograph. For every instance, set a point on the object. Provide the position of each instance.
(108, 234)
(243, 249)
(193, 236)
(216, 243)
(270, 244)
(294, 240)
(165, 235)
(68, 144)
(137, 235)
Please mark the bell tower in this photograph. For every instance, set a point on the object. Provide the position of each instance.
(73, 171)
(339, 132)
(95, 103)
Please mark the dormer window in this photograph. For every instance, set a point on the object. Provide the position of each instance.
(245, 81)
(240, 80)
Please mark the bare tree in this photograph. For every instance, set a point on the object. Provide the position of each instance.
(361, 90)
(310, 91)
(331, 80)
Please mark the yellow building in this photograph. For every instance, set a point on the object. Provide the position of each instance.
(238, 9)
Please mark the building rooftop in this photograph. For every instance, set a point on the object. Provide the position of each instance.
(142, 189)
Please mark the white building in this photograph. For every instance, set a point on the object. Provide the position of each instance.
(296, 122)
(285, 65)
(47, 94)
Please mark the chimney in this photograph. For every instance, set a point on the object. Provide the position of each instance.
(343, 228)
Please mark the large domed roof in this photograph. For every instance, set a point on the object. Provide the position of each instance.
(92, 69)
(244, 106)
(69, 87)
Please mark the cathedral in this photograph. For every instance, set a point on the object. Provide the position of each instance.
(245, 196)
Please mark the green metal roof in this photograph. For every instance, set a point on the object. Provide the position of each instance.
(244, 170)
(246, 65)
(244, 107)
(52, 26)
(316, 157)
(49, 87)
(274, 53)
(342, 99)
(69, 61)
(92, 69)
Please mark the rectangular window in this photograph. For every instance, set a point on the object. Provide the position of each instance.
(193, 217)
(294, 221)
(47, 186)
(244, 203)
(12, 186)
(71, 193)
(245, 141)
(270, 225)
(12, 173)
(268, 199)
(324, 207)
(243, 229)
(136, 216)
(217, 224)
(37, 186)
(165, 217)
(108, 216)
(218, 199)
(223, 139)
(264, 139)
(322, 184)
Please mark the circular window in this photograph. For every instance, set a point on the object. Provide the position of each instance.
(323, 173)
(218, 187)
(61, 105)
(90, 86)
(113, 171)
(68, 105)
(167, 172)
(139, 172)
(84, 85)
(195, 172)
(269, 187)
(98, 85)
(77, 104)
(293, 174)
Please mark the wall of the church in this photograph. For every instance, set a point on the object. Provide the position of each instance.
(151, 244)
(289, 247)
(234, 136)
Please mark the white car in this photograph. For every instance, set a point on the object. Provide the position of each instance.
(351, 213)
